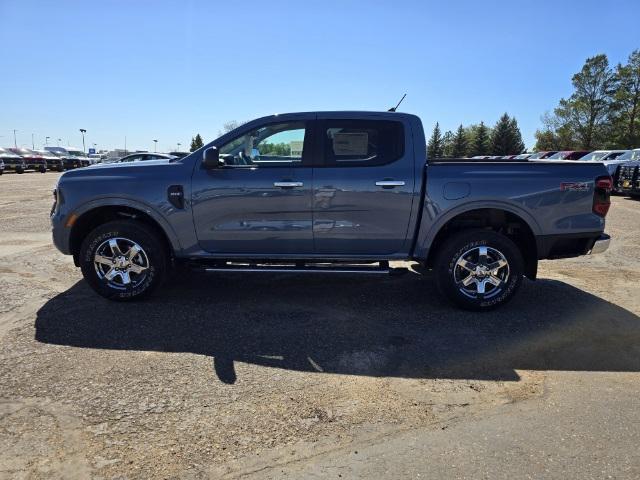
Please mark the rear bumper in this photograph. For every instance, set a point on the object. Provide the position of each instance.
(601, 244)
(571, 245)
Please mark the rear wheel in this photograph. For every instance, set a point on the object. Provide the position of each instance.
(479, 269)
(123, 260)
(19, 170)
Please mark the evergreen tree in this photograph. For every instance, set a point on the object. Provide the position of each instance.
(506, 138)
(435, 147)
(459, 143)
(517, 145)
(196, 143)
(447, 144)
(480, 144)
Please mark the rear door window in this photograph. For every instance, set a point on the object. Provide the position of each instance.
(348, 143)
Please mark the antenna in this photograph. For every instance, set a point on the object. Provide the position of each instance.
(393, 109)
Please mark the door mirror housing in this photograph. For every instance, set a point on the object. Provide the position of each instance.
(211, 158)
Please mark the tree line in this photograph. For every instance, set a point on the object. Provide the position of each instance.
(504, 138)
(603, 112)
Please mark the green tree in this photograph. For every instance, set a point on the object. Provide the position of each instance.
(480, 144)
(459, 143)
(546, 139)
(506, 138)
(435, 147)
(196, 143)
(586, 114)
(447, 144)
(626, 103)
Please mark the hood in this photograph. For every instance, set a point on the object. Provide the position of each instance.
(118, 169)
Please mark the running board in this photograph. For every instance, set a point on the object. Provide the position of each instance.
(382, 268)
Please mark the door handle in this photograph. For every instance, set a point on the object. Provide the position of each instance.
(288, 184)
(390, 183)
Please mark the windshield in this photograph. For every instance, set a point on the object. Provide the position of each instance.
(594, 156)
(630, 155)
(615, 155)
(558, 156)
(76, 153)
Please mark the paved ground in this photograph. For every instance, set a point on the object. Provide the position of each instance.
(272, 376)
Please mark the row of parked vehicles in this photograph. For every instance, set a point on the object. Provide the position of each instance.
(20, 159)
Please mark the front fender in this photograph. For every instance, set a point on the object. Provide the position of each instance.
(118, 201)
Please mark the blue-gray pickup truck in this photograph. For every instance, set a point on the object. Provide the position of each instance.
(329, 192)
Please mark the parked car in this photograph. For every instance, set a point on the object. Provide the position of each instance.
(566, 155)
(69, 159)
(1, 166)
(626, 175)
(31, 159)
(12, 161)
(610, 158)
(143, 157)
(523, 156)
(179, 154)
(53, 162)
(541, 155)
(348, 189)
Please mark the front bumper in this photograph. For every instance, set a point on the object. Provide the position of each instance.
(601, 244)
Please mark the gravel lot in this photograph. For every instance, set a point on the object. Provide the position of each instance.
(227, 375)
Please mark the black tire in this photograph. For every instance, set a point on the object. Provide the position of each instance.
(153, 257)
(466, 248)
(60, 168)
(20, 170)
(42, 169)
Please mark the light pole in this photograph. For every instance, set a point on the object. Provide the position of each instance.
(33, 145)
(179, 145)
(155, 146)
(46, 141)
(83, 131)
(15, 144)
(59, 140)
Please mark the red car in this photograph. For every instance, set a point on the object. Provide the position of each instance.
(31, 159)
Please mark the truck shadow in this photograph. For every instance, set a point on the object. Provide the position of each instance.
(352, 325)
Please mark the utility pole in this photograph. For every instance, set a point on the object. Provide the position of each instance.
(125, 144)
(15, 144)
(46, 140)
(33, 145)
(155, 146)
(83, 131)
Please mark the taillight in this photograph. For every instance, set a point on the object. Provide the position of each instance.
(602, 195)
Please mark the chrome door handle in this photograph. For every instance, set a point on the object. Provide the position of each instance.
(390, 183)
(288, 184)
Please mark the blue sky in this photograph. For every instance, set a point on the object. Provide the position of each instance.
(167, 70)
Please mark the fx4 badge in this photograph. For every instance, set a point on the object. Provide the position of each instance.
(574, 186)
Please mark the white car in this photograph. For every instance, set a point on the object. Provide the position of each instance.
(610, 158)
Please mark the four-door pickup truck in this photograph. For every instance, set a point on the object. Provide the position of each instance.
(329, 192)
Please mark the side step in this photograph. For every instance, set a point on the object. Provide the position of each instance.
(302, 267)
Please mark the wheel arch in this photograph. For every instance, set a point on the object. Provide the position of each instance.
(499, 219)
(95, 214)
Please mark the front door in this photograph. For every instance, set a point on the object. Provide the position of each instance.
(259, 202)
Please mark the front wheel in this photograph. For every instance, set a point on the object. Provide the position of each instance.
(479, 269)
(123, 260)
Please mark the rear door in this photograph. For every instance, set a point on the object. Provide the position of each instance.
(258, 203)
(364, 186)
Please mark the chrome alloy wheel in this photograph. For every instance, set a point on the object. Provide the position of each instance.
(121, 262)
(481, 272)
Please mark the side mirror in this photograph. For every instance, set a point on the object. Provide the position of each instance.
(211, 158)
